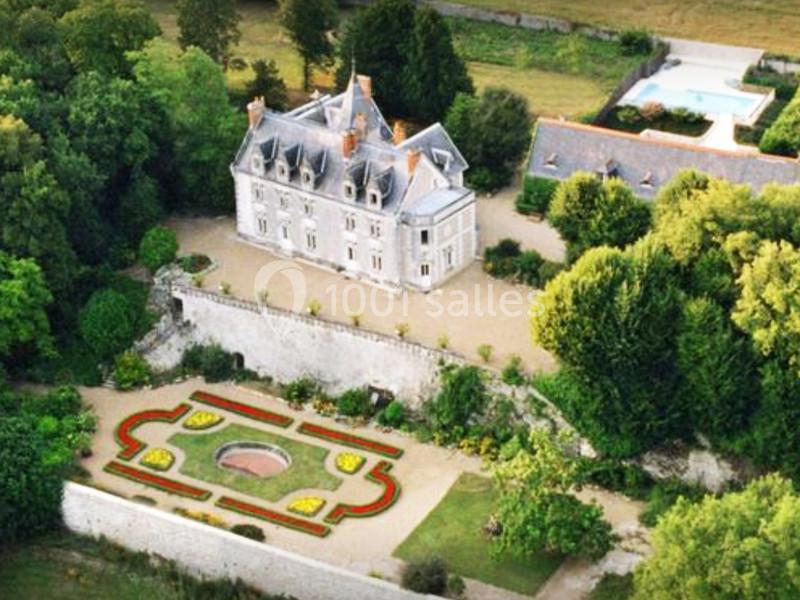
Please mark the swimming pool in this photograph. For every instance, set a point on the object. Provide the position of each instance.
(698, 101)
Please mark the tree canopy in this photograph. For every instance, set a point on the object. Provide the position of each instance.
(742, 545)
(309, 23)
(211, 25)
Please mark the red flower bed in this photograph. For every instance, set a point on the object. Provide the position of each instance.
(391, 492)
(347, 439)
(130, 445)
(259, 414)
(271, 516)
(156, 481)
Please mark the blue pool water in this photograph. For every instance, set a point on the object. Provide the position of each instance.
(702, 102)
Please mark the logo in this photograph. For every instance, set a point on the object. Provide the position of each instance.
(275, 277)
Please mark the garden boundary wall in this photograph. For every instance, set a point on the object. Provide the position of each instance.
(287, 345)
(215, 553)
(507, 17)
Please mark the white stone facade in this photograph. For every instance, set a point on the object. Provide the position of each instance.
(329, 182)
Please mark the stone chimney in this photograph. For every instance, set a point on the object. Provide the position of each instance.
(413, 159)
(365, 81)
(361, 125)
(399, 132)
(348, 143)
(255, 110)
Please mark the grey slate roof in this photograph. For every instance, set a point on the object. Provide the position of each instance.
(312, 135)
(570, 147)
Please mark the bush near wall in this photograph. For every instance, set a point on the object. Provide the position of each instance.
(783, 136)
(535, 195)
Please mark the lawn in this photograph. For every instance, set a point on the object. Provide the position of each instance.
(770, 24)
(65, 567)
(453, 531)
(307, 470)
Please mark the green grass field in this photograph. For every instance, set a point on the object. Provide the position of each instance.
(770, 24)
(65, 567)
(307, 470)
(453, 531)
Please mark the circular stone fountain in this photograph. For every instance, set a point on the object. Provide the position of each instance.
(254, 459)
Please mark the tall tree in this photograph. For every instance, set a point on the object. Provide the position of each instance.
(492, 132)
(612, 321)
(268, 83)
(377, 39)
(24, 298)
(211, 25)
(98, 33)
(309, 23)
(537, 509)
(435, 73)
(742, 545)
(190, 89)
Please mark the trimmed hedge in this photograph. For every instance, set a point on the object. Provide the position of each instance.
(783, 136)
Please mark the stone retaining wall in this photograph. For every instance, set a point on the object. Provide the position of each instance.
(215, 553)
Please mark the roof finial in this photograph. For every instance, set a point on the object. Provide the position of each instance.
(352, 65)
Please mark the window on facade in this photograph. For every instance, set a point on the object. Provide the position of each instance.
(311, 239)
(257, 163)
(423, 237)
(308, 208)
(425, 269)
(349, 190)
(350, 223)
(282, 171)
(284, 201)
(377, 262)
(375, 229)
(285, 231)
(306, 177)
(262, 225)
(351, 253)
(448, 257)
(374, 199)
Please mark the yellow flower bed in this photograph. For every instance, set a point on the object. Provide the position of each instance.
(307, 506)
(202, 419)
(349, 462)
(203, 517)
(158, 459)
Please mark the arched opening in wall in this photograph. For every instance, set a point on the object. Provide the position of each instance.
(238, 361)
(177, 310)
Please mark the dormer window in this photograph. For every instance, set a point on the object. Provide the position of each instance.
(349, 190)
(552, 161)
(257, 163)
(308, 178)
(647, 180)
(374, 198)
(283, 172)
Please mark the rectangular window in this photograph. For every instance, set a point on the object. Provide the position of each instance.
(285, 231)
(425, 270)
(284, 201)
(308, 208)
(262, 225)
(375, 229)
(351, 253)
(423, 237)
(311, 240)
(448, 257)
(377, 262)
(350, 223)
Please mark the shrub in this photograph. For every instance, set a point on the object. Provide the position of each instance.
(354, 403)
(456, 586)
(194, 263)
(212, 362)
(131, 371)
(108, 322)
(158, 248)
(783, 136)
(498, 260)
(249, 531)
(663, 497)
(631, 480)
(314, 307)
(635, 41)
(394, 415)
(526, 267)
(785, 84)
(535, 195)
(300, 390)
(462, 397)
(548, 270)
(651, 110)
(512, 373)
(485, 351)
(629, 114)
(425, 576)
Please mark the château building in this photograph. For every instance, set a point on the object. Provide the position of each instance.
(332, 183)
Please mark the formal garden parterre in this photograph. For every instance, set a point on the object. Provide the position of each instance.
(207, 451)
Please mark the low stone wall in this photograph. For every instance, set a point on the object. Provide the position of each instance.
(214, 553)
(507, 17)
(287, 345)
